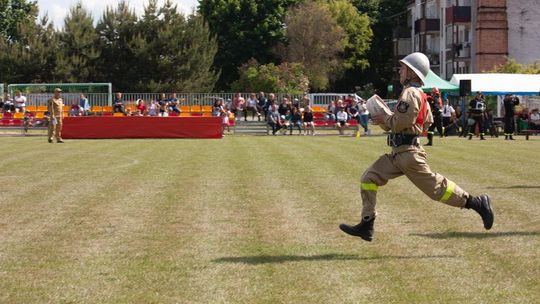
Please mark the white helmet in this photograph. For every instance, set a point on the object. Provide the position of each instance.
(419, 63)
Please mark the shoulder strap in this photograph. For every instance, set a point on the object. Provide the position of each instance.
(422, 114)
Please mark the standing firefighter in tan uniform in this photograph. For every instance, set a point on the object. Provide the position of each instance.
(408, 157)
(55, 107)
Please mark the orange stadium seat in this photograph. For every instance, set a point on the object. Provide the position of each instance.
(118, 114)
(107, 109)
(96, 110)
(42, 108)
(207, 109)
(195, 109)
(184, 109)
(18, 115)
(31, 108)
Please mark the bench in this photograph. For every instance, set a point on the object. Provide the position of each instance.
(529, 132)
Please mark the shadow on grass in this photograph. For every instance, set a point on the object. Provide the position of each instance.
(475, 235)
(515, 187)
(266, 259)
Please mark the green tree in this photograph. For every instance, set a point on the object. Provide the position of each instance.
(511, 66)
(286, 77)
(30, 58)
(315, 40)
(245, 29)
(381, 69)
(12, 14)
(177, 52)
(77, 50)
(358, 33)
(117, 35)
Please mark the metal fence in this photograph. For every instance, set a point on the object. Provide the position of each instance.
(188, 99)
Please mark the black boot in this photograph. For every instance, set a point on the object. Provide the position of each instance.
(482, 205)
(511, 138)
(430, 139)
(363, 230)
(506, 137)
(470, 136)
(482, 137)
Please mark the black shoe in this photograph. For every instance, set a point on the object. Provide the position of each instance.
(506, 137)
(60, 141)
(470, 137)
(50, 141)
(482, 205)
(363, 230)
(511, 138)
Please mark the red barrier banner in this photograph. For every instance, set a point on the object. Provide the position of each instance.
(98, 127)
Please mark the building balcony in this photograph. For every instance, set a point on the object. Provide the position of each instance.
(424, 25)
(458, 14)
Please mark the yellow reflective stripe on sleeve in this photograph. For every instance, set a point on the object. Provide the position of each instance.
(449, 191)
(369, 187)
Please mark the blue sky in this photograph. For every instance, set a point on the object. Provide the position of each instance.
(58, 9)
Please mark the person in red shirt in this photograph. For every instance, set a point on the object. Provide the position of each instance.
(141, 107)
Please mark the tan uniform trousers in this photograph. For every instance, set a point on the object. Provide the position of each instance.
(55, 129)
(411, 163)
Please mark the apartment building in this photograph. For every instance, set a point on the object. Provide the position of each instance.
(468, 36)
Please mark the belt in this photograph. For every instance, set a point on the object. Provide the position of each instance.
(396, 140)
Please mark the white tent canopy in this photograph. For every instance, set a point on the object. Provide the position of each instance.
(501, 84)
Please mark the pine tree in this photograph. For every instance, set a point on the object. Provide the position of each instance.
(118, 44)
(77, 54)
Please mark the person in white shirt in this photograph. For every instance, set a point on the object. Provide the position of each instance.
(448, 116)
(251, 105)
(341, 117)
(19, 101)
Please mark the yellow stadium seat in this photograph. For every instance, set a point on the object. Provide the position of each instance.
(118, 114)
(18, 115)
(107, 109)
(207, 109)
(42, 108)
(184, 114)
(184, 109)
(66, 108)
(96, 109)
(31, 108)
(207, 114)
(195, 109)
(40, 115)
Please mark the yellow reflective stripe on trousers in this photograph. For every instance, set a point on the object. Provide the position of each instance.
(449, 191)
(369, 187)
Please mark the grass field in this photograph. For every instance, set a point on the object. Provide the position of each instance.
(255, 220)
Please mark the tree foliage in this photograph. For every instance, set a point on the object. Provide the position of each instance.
(511, 66)
(315, 40)
(245, 29)
(163, 50)
(77, 48)
(286, 77)
(14, 13)
(358, 33)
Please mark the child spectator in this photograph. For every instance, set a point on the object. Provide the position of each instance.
(75, 109)
(274, 119)
(330, 111)
(296, 120)
(153, 108)
(308, 121)
(141, 107)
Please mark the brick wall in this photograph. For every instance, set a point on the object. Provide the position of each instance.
(491, 34)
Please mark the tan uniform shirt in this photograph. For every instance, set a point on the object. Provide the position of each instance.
(404, 118)
(55, 107)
